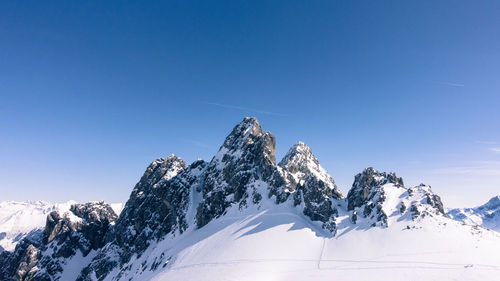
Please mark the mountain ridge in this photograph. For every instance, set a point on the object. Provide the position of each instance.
(19, 219)
(486, 215)
(177, 213)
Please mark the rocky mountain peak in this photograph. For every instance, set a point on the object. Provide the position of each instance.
(369, 194)
(160, 170)
(493, 203)
(486, 215)
(298, 153)
(246, 158)
(247, 143)
(94, 212)
(245, 133)
(381, 197)
(80, 216)
(368, 181)
(310, 184)
(300, 163)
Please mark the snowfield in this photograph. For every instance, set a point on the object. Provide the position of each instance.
(282, 244)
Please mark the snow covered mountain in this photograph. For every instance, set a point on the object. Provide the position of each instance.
(243, 216)
(19, 219)
(487, 215)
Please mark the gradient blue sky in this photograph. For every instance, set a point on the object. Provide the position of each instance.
(92, 92)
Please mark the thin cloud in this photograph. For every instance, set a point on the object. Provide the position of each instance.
(452, 84)
(199, 144)
(486, 142)
(229, 106)
(482, 168)
(495, 149)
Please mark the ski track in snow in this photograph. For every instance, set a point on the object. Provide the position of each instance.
(390, 264)
(321, 253)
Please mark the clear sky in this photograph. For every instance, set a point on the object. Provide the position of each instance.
(92, 92)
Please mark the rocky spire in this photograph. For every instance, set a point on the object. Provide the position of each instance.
(246, 132)
(300, 163)
(157, 205)
(160, 170)
(310, 184)
(369, 194)
(247, 155)
(366, 183)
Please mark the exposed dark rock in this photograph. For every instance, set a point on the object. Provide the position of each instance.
(366, 183)
(415, 213)
(247, 156)
(354, 216)
(310, 183)
(402, 208)
(41, 257)
(435, 201)
(151, 213)
(16, 265)
(299, 164)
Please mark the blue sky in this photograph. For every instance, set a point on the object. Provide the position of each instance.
(91, 93)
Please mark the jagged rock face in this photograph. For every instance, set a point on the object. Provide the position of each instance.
(80, 229)
(368, 192)
(366, 185)
(161, 170)
(232, 177)
(435, 201)
(299, 164)
(160, 211)
(378, 196)
(309, 183)
(89, 221)
(424, 202)
(318, 206)
(149, 216)
(145, 209)
(19, 264)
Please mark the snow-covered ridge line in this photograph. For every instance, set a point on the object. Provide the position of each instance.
(486, 215)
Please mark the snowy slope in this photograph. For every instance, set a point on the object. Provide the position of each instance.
(487, 215)
(18, 219)
(280, 243)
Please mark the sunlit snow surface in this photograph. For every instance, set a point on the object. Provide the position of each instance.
(279, 243)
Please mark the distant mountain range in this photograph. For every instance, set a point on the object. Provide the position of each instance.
(245, 216)
(487, 215)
